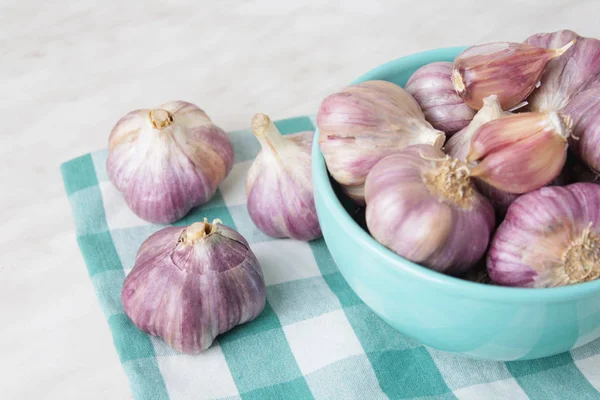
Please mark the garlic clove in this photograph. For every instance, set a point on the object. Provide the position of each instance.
(431, 86)
(564, 76)
(167, 160)
(520, 152)
(550, 237)
(422, 205)
(190, 284)
(509, 70)
(364, 123)
(279, 183)
(458, 145)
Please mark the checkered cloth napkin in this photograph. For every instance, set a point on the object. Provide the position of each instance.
(314, 339)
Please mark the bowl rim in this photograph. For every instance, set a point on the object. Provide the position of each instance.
(400, 265)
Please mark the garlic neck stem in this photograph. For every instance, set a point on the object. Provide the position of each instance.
(457, 81)
(198, 230)
(267, 133)
(160, 118)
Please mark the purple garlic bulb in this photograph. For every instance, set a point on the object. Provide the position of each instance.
(431, 86)
(565, 76)
(167, 160)
(550, 237)
(190, 284)
(279, 183)
(422, 205)
(364, 123)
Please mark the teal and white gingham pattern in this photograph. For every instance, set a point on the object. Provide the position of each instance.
(315, 338)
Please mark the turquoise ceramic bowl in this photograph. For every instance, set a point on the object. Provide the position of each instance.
(446, 313)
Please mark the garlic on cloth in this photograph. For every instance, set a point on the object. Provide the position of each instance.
(190, 284)
(279, 187)
(422, 205)
(509, 70)
(519, 153)
(431, 86)
(550, 237)
(567, 75)
(167, 160)
(364, 123)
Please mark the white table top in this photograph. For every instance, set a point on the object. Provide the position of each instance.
(68, 72)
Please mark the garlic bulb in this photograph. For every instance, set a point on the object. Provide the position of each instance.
(503, 150)
(550, 237)
(584, 108)
(509, 70)
(422, 205)
(279, 183)
(190, 284)
(565, 76)
(431, 86)
(167, 160)
(364, 123)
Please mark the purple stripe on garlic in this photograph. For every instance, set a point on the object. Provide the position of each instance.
(550, 237)
(364, 123)
(422, 205)
(190, 284)
(431, 86)
(167, 160)
(279, 187)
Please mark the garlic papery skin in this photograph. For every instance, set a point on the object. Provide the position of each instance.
(519, 153)
(422, 205)
(190, 284)
(550, 237)
(431, 86)
(509, 70)
(167, 160)
(565, 76)
(584, 108)
(458, 145)
(364, 123)
(279, 183)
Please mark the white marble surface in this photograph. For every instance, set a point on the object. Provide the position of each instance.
(69, 70)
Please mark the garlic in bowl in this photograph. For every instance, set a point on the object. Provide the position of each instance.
(444, 312)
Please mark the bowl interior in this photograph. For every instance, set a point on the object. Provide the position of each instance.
(399, 71)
